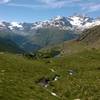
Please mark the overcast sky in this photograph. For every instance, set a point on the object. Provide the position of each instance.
(33, 10)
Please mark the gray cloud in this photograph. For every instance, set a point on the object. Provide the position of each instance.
(25, 5)
(90, 7)
(58, 3)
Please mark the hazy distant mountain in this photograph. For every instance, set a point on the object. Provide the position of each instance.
(6, 45)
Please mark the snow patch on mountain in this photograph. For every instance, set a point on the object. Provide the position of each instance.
(92, 24)
(15, 25)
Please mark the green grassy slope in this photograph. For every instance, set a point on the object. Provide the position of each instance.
(18, 77)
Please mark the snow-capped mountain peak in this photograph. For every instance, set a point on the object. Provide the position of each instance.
(58, 18)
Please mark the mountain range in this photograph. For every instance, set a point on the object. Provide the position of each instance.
(64, 23)
(33, 36)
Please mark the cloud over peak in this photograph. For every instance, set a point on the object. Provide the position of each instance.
(90, 7)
